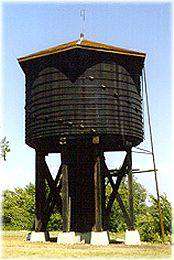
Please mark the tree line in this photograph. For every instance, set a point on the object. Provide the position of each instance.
(18, 211)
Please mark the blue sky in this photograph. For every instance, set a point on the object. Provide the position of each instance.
(30, 27)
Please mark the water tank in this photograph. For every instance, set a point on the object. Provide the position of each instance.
(76, 91)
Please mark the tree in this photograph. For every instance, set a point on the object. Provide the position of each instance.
(149, 223)
(18, 208)
(167, 213)
(146, 216)
(55, 222)
(4, 146)
(18, 211)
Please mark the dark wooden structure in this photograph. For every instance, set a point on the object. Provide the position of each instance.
(82, 98)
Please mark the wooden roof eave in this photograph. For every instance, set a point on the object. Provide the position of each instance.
(36, 56)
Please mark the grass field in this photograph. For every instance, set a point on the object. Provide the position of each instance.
(14, 245)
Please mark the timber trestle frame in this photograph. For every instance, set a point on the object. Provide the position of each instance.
(49, 192)
(45, 201)
(124, 170)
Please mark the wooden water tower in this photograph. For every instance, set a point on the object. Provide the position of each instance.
(83, 98)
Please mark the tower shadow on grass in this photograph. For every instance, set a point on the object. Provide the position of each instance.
(114, 241)
(53, 239)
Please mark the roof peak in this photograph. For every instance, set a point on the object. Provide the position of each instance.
(84, 44)
(81, 38)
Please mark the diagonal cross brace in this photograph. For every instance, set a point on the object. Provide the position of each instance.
(125, 168)
(54, 190)
(51, 199)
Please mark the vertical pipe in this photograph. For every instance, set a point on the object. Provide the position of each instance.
(153, 157)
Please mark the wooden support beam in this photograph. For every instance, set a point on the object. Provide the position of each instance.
(51, 183)
(131, 207)
(143, 171)
(51, 199)
(66, 199)
(40, 194)
(127, 163)
(44, 203)
(125, 168)
(115, 172)
(103, 190)
(66, 209)
(123, 209)
(97, 196)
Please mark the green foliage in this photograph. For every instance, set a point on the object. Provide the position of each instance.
(167, 213)
(117, 222)
(146, 216)
(149, 223)
(18, 208)
(55, 222)
(18, 212)
(4, 146)
(146, 226)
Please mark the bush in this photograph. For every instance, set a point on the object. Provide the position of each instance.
(146, 227)
(55, 222)
(18, 208)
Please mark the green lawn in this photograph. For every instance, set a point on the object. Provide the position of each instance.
(14, 245)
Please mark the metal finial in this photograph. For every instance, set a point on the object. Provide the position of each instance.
(83, 15)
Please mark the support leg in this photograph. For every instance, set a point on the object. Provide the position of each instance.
(40, 195)
(45, 203)
(97, 195)
(66, 210)
(66, 199)
(130, 185)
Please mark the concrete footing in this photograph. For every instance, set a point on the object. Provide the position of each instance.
(38, 236)
(94, 238)
(68, 238)
(132, 237)
(100, 238)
